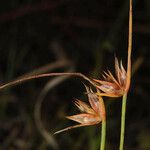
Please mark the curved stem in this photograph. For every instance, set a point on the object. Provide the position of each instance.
(22, 80)
(123, 115)
(103, 135)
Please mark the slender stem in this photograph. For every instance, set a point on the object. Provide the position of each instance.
(24, 79)
(123, 115)
(103, 135)
(129, 47)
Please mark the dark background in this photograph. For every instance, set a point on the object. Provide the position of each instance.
(88, 33)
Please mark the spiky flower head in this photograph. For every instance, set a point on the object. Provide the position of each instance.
(90, 114)
(113, 86)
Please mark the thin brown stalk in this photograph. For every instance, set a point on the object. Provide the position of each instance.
(22, 80)
(129, 49)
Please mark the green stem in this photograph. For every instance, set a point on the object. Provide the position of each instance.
(123, 116)
(103, 135)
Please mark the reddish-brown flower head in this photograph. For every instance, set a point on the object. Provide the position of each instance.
(113, 86)
(90, 115)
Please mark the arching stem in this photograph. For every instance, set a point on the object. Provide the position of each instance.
(22, 80)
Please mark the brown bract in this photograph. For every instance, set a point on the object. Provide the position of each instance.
(90, 114)
(113, 86)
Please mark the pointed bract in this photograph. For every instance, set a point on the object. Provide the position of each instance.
(85, 118)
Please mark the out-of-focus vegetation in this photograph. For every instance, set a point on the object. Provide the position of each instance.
(38, 36)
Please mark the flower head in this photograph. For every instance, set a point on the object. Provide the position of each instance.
(113, 86)
(90, 115)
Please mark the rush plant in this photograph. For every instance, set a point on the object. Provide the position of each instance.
(112, 86)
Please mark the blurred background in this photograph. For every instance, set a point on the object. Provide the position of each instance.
(40, 36)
